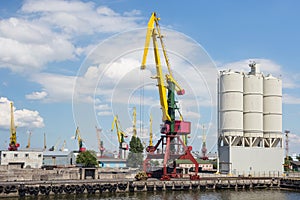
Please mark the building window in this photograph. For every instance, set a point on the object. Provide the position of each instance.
(26, 155)
(15, 155)
(4, 155)
(40, 155)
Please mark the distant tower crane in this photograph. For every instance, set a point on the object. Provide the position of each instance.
(28, 142)
(150, 148)
(134, 122)
(13, 145)
(100, 143)
(63, 146)
(123, 146)
(45, 143)
(172, 129)
(79, 139)
(204, 149)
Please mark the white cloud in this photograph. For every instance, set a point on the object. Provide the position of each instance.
(36, 95)
(290, 99)
(105, 113)
(23, 118)
(58, 87)
(46, 32)
(29, 46)
(294, 141)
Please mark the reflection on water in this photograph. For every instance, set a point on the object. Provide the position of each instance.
(269, 194)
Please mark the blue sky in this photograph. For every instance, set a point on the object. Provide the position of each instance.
(69, 63)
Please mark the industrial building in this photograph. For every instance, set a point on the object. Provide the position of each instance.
(26, 159)
(249, 123)
(57, 158)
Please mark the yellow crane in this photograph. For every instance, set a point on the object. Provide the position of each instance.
(13, 145)
(134, 122)
(79, 139)
(167, 86)
(28, 142)
(121, 135)
(150, 148)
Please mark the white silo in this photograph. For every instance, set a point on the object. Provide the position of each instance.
(253, 107)
(272, 103)
(231, 106)
(250, 114)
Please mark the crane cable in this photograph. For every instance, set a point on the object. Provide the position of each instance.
(142, 103)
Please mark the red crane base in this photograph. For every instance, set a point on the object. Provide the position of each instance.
(172, 149)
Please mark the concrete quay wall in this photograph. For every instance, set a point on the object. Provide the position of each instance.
(92, 186)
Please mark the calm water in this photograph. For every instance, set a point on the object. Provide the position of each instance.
(273, 194)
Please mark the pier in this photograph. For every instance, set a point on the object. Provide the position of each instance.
(93, 186)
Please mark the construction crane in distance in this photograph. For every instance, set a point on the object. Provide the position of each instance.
(63, 146)
(150, 148)
(134, 122)
(100, 143)
(123, 146)
(204, 149)
(79, 139)
(13, 145)
(45, 144)
(172, 129)
(54, 147)
(28, 142)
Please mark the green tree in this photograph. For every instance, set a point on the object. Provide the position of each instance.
(87, 159)
(135, 156)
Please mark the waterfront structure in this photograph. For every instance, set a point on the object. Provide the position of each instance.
(106, 162)
(188, 166)
(249, 122)
(56, 158)
(26, 159)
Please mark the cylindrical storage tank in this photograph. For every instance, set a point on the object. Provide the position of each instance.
(253, 105)
(272, 103)
(231, 103)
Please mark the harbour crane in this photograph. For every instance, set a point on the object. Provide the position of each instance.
(204, 149)
(134, 122)
(123, 146)
(13, 145)
(54, 147)
(150, 148)
(28, 142)
(45, 143)
(63, 146)
(79, 139)
(172, 129)
(100, 143)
